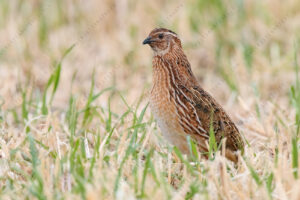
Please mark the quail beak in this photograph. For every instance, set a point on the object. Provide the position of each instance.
(147, 40)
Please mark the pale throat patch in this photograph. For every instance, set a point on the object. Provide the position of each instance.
(162, 52)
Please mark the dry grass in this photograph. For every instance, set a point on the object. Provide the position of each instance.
(65, 134)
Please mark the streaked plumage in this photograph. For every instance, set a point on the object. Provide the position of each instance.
(179, 104)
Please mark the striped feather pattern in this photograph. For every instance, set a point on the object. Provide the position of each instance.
(180, 106)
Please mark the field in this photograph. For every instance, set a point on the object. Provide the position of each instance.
(74, 82)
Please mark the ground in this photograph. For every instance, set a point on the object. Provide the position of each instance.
(74, 83)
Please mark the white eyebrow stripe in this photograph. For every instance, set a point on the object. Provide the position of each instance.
(167, 33)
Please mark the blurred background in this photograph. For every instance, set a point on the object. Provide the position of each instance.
(244, 48)
(54, 54)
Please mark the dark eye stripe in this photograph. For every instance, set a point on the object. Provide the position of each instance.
(164, 34)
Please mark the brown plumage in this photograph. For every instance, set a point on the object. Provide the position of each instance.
(180, 105)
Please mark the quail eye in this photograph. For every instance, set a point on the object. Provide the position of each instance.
(161, 36)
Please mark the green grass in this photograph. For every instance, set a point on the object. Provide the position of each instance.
(75, 122)
(295, 98)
